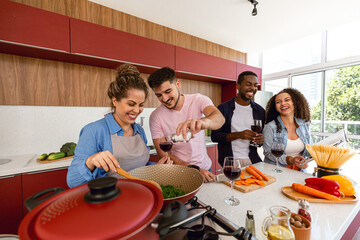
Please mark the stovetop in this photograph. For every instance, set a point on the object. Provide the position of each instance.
(204, 223)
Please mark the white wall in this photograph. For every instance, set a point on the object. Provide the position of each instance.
(43, 129)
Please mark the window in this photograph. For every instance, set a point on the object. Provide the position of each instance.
(297, 54)
(310, 86)
(343, 41)
(276, 86)
(342, 102)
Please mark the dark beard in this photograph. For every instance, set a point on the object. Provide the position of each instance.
(243, 97)
(177, 100)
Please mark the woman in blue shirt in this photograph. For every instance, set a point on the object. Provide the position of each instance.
(288, 119)
(116, 140)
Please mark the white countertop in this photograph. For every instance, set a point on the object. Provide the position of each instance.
(330, 220)
(27, 163)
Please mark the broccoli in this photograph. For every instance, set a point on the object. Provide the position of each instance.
(68, 148)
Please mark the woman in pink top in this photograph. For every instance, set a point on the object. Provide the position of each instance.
(178, 113)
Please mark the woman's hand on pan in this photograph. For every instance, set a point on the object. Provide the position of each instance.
(104, 160)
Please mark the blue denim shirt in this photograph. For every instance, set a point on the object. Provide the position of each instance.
(303, 131)
(95, 137)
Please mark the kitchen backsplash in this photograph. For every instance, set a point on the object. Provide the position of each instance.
(41, 129)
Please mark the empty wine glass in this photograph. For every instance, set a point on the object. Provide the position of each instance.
(277, 149)
(166, 145)
(256, 126)
(232, 170)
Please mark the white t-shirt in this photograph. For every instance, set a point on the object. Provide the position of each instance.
(240, 121)
(164, 121)
(294, 147)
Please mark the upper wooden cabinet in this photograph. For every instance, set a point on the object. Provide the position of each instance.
(88, 39)
(200, 66)
(23, 25)
(33, 32)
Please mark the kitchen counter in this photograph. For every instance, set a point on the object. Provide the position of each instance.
(330, 220)
(27, 163)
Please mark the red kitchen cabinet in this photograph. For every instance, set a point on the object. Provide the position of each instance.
(200, 66)
(10, 204)
(35, 182)
(92, 40)
(25, 29)
(213, 154)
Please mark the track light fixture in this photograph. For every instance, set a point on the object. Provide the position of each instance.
(254, 3)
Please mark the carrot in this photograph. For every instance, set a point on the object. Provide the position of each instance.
(252, 172)
(313, 192)
(259, 172)
(260, 182)
(239, 182)
(242, 177)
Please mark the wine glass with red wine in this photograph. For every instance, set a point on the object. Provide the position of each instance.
(256, 126)
(277, 149)
(166, 146)
(232, 170)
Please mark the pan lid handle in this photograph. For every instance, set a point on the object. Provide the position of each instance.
(102, 190)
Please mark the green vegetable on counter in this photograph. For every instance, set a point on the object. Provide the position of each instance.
(55, 156)
(68, 148)
(169, 191)
(43, 156)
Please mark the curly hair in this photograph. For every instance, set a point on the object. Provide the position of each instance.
(128, 77)
(161, 75)
(301, 107)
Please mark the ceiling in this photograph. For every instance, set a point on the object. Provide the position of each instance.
(230, 23)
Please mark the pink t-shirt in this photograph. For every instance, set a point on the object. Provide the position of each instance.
(163, 122)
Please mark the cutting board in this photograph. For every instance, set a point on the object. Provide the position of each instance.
(291, 193)
(252, 187)
(50, 161)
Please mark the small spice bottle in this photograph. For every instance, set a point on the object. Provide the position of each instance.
(179, 138)
(304, 209)
(250, 222)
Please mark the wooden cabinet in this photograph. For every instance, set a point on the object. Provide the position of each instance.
(213, 154)
(10, 204)
(35, 182)
(92, 40)
(199, 66)
(29, 30)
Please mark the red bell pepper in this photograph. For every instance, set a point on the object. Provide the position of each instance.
(330, 186)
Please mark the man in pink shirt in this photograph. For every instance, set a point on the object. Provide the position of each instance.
(178, 113)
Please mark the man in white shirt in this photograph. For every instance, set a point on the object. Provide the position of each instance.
(234, 136)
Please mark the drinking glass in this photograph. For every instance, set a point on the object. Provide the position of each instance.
(256, 126)
(232, 170)
(166, 145)
(277, 149)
